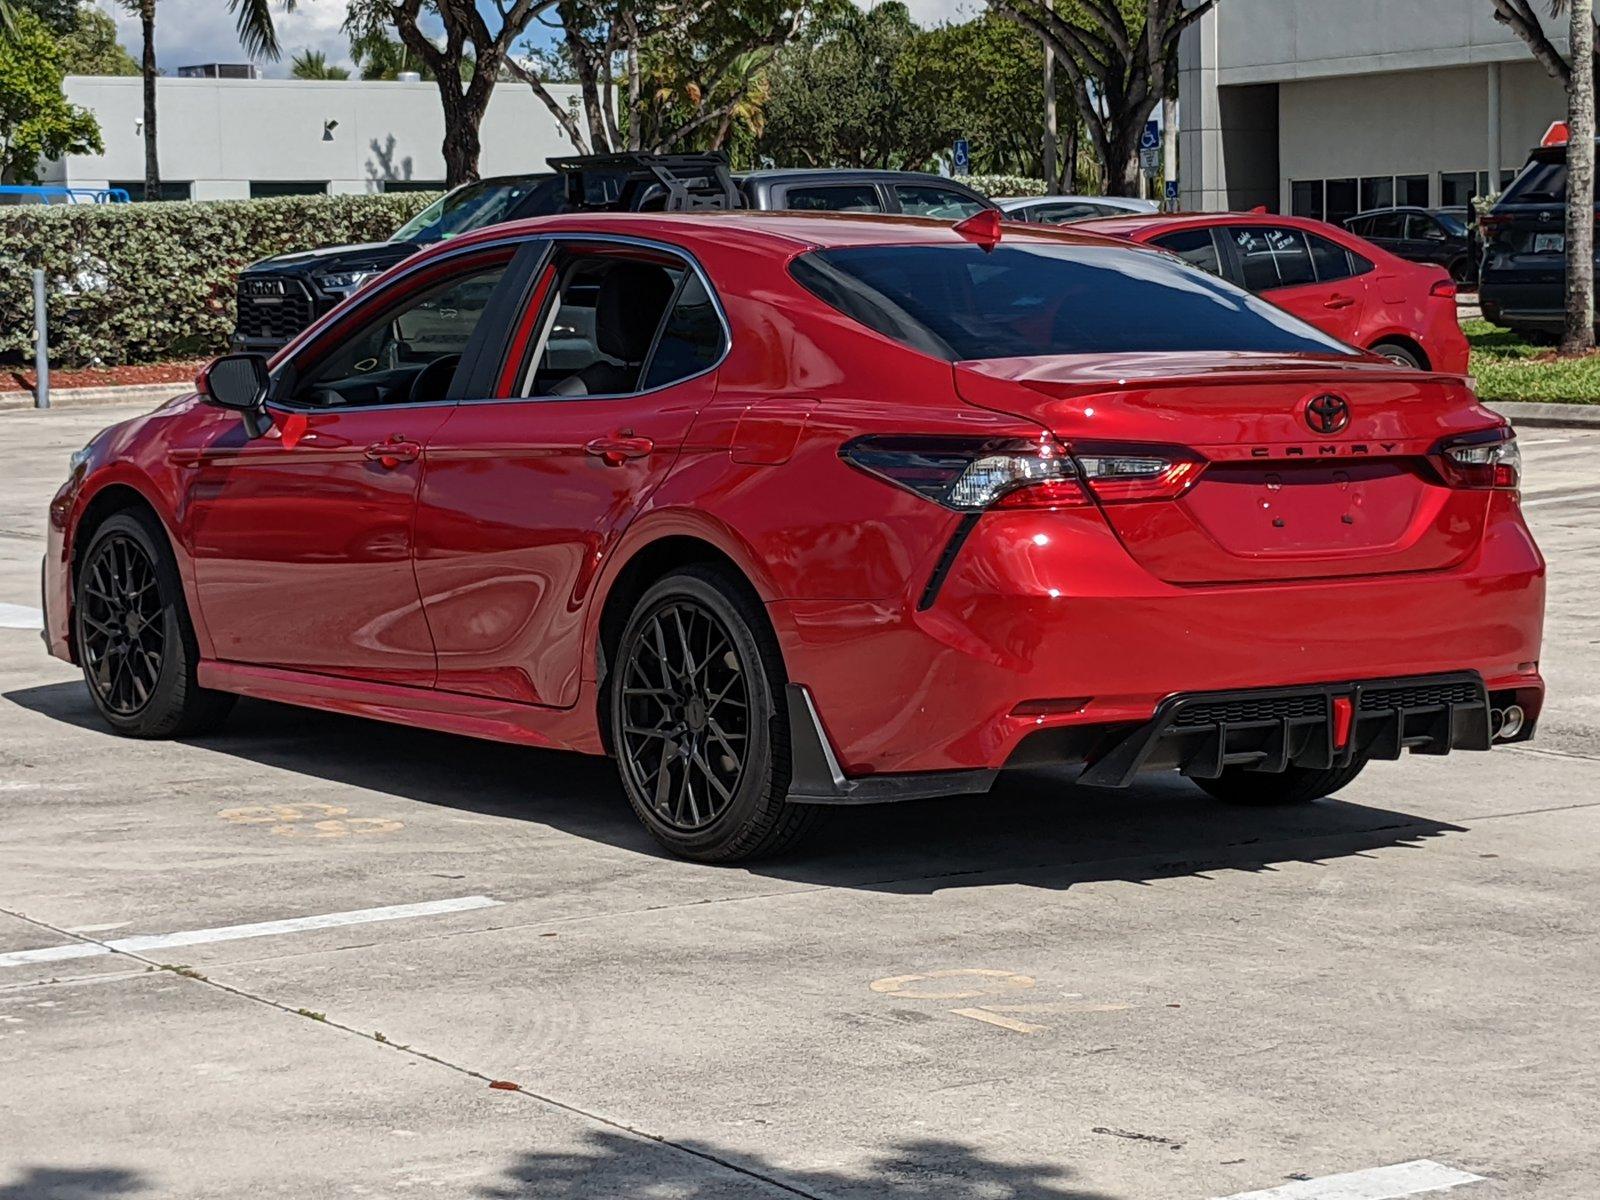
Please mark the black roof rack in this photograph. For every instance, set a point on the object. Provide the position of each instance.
(637, 182)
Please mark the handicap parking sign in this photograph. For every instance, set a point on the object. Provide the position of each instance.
(1150, 139)
(962, 157)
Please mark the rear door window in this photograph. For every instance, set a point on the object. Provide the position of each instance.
(1386, 225)
(922, 200)
(1330, 260)
(962, 302)
(1272, 257)
(1195, 246)
(692, 339)
(834, 197)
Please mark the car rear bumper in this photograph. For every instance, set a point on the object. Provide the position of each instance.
(1037, 651)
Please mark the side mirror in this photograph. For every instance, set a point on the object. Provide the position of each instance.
(239, 382)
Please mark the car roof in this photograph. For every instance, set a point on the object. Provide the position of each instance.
(798, 231)
(840, 174)
(1125, 202)
(1136, 223)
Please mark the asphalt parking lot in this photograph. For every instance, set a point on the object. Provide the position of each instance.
(1046, 994)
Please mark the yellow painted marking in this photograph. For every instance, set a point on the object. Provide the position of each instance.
(269, 814)
(337, 828)
(974, 981)
(1004, 1022)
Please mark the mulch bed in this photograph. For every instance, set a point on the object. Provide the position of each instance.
(16, 379)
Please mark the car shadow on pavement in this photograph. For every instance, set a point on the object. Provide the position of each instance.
(1035, 827)
(927, 1169)
(71, 1183)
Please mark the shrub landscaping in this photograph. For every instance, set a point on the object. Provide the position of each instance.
(132, 283)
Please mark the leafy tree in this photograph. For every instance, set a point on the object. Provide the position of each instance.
(314, 64)
(58, 16)
(465, 65)
(682, 69)
(90, 46)
(839, 96)
(36, 122)
(985, 80)
(1121, 59)
(379, 56)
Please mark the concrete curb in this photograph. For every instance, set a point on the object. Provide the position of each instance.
(91, 397)
(1547, 416)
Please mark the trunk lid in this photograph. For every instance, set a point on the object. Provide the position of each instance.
(1277, 499)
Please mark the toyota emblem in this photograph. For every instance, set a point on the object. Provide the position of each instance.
(1327, 413)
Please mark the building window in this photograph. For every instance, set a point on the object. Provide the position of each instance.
(171, 189)
(1341, 201)
(1411, 189)
(1305, 198)
(262, 189)
(413, 185)
(1377, 192)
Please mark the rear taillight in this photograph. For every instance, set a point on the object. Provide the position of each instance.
(1492, 225)
(1482, 460)
(972, 475)
(1443, 287)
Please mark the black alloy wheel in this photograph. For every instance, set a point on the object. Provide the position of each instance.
(133, 637)
(698, 723)
(124, 624)
(686, 715)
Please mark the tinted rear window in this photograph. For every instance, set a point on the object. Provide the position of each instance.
(958, 302)
(1539, 183)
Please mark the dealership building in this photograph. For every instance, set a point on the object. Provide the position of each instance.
(1326, 107)
(223, 138)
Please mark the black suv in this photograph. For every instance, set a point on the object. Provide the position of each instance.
(278, 297)
(1522, 283)
(1442, 236)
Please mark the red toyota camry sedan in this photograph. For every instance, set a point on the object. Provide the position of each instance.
(1327, 276)
(783, 511)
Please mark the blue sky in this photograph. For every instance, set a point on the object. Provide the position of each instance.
(202, 31)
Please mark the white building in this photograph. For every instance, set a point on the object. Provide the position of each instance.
(1327, 107)
(222, 139)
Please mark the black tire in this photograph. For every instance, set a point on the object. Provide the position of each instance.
(676, 732)
(1403, 355)
(1461, 272)
(134, 639)
(1297, 785)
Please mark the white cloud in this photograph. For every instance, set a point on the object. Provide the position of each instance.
(936, 12)
(203, 31)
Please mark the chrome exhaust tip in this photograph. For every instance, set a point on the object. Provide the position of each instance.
(1507, 722)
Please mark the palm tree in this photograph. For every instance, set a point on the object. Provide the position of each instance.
(313, 64)
(1578, 337)
(257, 35)
(1575, 72)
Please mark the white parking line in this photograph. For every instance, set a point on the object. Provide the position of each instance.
(1544, 442)
(229, 933)
(1379, 1183)
(1537, 500)
(20, 616)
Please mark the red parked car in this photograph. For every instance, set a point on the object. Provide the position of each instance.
(785, 511)
(1328, 277)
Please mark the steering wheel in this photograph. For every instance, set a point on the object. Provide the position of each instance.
(435, 377)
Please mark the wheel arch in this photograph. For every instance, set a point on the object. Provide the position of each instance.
(1404, 340)
(648, 561)
(94, 509)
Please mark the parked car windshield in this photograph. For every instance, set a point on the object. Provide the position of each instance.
(960, 302)
(468, 207)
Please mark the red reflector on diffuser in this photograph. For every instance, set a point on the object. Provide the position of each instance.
(1051, 708)
(1343, 714)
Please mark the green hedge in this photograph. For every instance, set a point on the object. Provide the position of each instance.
(133, 283)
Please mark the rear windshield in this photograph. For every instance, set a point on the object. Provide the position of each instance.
(958, 302)
(1541, 182)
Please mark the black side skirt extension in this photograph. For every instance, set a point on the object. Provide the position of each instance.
(817, 778)
(1274, 729)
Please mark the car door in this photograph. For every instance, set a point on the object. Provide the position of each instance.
(1426, 240)
(1276, 262)
(302, 539)
(529, 486)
